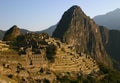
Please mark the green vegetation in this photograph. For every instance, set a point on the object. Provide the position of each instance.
(79, 79)
(112, 75)
(106, 75)
(28, 40)
(51, 52)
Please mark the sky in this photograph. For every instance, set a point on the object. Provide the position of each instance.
(36, 15)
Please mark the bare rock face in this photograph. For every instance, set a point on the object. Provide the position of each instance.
(12, 33)
(77, 29)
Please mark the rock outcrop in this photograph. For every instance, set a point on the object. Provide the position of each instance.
(77, 29)
(12, 33)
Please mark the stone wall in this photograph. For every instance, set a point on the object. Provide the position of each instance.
(3, 46)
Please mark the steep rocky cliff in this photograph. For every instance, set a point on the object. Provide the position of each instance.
(77, 29)
(12, 33)
(111, 41)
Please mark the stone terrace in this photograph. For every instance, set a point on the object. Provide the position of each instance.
(67, 60)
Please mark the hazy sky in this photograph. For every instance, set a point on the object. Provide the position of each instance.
(40, 14)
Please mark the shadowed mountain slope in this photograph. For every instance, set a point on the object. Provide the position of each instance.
(111, 40)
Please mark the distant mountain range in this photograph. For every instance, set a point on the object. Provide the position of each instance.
(48, 30)
(23, 31)
(110, 19)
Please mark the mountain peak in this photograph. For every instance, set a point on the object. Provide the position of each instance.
(12, 33)
(114, 12)
(73, 15)
(75, 10)
(75, 7)
(117, 9)
(14, 26)
(78, 30)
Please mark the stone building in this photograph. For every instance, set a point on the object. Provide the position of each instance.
(35, 59)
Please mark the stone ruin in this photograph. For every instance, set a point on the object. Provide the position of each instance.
(3, 46)
(35, 59)
(68, 60)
